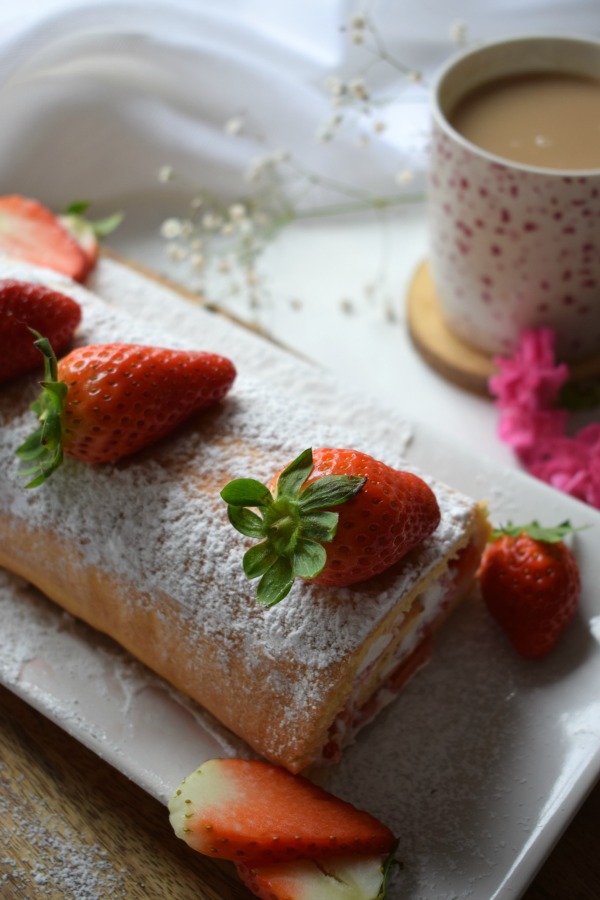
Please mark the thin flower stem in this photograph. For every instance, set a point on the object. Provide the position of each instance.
(372, 203)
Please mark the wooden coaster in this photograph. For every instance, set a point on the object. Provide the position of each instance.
(452, 357)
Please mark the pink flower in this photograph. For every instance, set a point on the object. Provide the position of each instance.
(531, 379)
(527, 389)
(572, 464)
(526, 429)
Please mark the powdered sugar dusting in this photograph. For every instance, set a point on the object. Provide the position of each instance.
(143, 522)
(58, 861)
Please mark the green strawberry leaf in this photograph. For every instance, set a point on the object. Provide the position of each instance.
(390, 863)
(537, 532)
(246, 492)
(44, 445)
(104, 227)
(246, 522)
(75, 213)
(293, 477)
(258, 559)
(320, 526)
(309, 559)
(294, 525)
(276, 583)
(331, 490)
(77, 208)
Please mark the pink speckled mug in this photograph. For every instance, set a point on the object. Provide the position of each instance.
(513, 245)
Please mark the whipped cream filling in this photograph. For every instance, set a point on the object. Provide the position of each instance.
(433, 603)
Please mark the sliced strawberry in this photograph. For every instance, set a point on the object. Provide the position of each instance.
(24, 306)
(338, 878)
(31, 232)
(252, 811)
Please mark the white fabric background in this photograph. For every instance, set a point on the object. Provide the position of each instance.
(75, 77)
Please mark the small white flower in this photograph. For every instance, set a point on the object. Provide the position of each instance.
(165, 173)
(171, 228)
(245, 226)
(358, 88)
(198, 261)
(211, 221)
(458, 32)
(227, 229)
(196, 202)
(404, 176)
(357, 38)
(256, 168)
(234, 126)
(237, 212)
(177, 252)
(358, 23)
(335, 86)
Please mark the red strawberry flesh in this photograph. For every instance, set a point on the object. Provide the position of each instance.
(121, 397)
(32, 233)
(531, 587)
(394, 512)
(254, 812)
(24, 306)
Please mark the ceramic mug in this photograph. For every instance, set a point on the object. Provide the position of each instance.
(513, 245)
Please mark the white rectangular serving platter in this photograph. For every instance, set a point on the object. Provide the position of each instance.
(480, 763)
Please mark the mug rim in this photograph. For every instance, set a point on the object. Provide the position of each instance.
(481, 48)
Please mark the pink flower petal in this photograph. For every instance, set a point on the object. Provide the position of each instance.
(527, 388)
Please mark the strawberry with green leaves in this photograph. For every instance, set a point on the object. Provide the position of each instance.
(103, 402)
(383, 514)
(289, 838)
(25, 306)
(530, 583)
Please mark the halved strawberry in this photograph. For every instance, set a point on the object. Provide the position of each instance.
(252, 811)
(338, 878)
(31, 232)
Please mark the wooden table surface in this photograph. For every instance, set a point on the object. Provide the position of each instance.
(72, 828)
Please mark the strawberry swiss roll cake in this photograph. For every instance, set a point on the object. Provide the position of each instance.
(285, 571)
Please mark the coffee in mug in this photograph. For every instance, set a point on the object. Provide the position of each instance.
(546, 119)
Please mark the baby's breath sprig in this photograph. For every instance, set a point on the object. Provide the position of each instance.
(222, 242)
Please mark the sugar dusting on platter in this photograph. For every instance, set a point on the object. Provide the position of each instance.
(482, 759)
